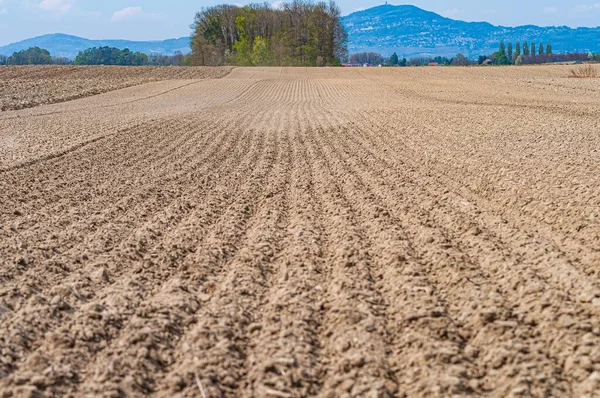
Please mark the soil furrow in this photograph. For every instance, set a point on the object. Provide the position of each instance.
(141, 243)
(213, 351)
(355, 352)
(509, 315)
(299, 232)
(284, 358)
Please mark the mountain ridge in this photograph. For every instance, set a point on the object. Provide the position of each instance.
(64, 45)
(411, 31)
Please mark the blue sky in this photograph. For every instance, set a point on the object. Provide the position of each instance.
(159, 19)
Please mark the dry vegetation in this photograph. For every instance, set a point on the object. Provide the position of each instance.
(587, 71)
(305, 232)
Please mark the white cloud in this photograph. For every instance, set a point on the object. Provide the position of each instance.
(58, 6)
(127, 13)
(278, 5)
(135, 13)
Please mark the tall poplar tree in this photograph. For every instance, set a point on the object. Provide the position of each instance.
(541, 50)
(525, 48)
(532, 48)
(549, 49)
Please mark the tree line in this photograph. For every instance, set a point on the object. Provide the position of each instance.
(372, 58)
(32, 56)
(506, 55)
(299, 33)
(94, 56)
(533, 54)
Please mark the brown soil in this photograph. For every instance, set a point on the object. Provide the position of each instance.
(305, 232)
(29, 86)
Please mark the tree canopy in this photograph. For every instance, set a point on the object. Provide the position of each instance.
(110, 56)
(299, 33)
(31, 56)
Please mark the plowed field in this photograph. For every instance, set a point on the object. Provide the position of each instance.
(30, 86)
(305, 232)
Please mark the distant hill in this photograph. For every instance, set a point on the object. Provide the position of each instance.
(411, 31)
(61, 45)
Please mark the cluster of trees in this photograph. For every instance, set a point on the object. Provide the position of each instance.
(532, 54)
(31, 56)
(396, 61)
(299, 33)
(542, 55)
(458, 60)
(549, 58)
(507, 55)
(93, 56)
(110, 56)
(370, 58)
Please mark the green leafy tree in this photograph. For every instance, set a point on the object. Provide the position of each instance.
(403, 63)
(541, 50)
(532, 49)
(517, 50)
(525, 49)
(549, 49)
(242, 47)
(110, 56)
(260, 52)
(510, 51)
(500, 57)
(31, 56)
(394, 59)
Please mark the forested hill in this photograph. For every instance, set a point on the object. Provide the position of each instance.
(411, 31)
(61, 45)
